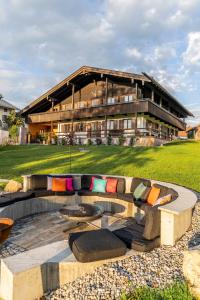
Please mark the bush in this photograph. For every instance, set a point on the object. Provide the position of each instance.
(132, 141)
(121, 140)
(89, 142)
(14, 131)
(109, 139)
(98, 141)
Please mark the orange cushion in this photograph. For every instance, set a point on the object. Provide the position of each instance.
(153, 195)
(59, 184)
(111, 186)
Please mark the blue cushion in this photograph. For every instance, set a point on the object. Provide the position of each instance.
(99, 185)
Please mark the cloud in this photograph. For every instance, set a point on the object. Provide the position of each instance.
(44, 41)
(192, 54)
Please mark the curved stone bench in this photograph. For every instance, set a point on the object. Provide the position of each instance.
(176, 216)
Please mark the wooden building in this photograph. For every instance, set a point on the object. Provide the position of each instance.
(94, 103)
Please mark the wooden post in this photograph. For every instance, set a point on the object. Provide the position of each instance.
(136, 87)
(106, 94)
(105, 127)
(135, 124)
(152, 95)
(160, 101)
(73, 88)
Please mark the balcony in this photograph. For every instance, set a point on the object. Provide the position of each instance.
(142, 106)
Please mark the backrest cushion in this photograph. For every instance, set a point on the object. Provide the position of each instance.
(77, 182)
(49, 183)
(121, 185)
(99, 185)
(139, 191)
(59, 184)
(164, 190)
(111, 186)
(153, 195)
(136, 181)
(92, 182)
(86, 181)
(69, 183)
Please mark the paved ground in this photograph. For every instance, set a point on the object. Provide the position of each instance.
(41, 229)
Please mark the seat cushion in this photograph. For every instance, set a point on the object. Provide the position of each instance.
(86, 181)
(132, 237)
(11, 198)
(126, 197)
(88, 246)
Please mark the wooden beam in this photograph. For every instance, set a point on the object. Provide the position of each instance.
(106, 93)
(136, 87)
(152, 95)
(73, 88)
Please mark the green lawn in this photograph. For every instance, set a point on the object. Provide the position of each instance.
(178, 291)
(178, 162)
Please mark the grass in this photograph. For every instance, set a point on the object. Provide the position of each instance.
(178, 162)
(178, 291)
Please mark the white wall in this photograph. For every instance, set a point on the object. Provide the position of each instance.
(4, 134)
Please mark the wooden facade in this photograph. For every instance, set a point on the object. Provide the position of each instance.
(94, 103)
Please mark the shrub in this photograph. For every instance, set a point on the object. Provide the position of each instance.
(14, 131)
(121, 140)
(98, 141)
(109, 139)
(89, 142)
(132, 141)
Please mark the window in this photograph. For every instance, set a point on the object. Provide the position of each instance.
(111, 124)
(111, 100)
(127, 124)
(140, 122)
(5, 109)
(128, 98)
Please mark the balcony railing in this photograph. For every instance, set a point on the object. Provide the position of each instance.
(136, 107)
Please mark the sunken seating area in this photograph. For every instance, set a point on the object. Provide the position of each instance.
(126, 197)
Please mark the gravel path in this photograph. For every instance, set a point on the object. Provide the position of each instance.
(158, 268)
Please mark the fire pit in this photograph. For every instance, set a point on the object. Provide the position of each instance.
(82, 212)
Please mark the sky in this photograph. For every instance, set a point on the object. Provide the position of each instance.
(43, 41)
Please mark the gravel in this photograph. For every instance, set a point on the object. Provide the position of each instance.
(157, 268)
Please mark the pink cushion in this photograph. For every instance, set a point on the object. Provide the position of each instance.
(69, 184)
(92, 182)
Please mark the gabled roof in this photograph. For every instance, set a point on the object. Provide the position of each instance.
(77, 77)
(165, 91)
(6, 104)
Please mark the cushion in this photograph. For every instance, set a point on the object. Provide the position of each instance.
(69, 184)
(111, 186)
(153, 195)
(77, 182)
(99, 185)
(164, 190)
(59, 184)
(132, 237)
(92, 183)
(86, 181)
(94, 245)
(163, 200)
(121, 185)
(10, 198)
(128, 197)
(136, 181)
(49, 183)
(152, 221)
(139, 191)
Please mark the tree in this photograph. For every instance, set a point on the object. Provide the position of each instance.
(15, 119)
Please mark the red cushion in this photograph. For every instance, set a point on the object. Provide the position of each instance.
(92, 182)
(59, 184)
(69, 184)
(111, 186)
